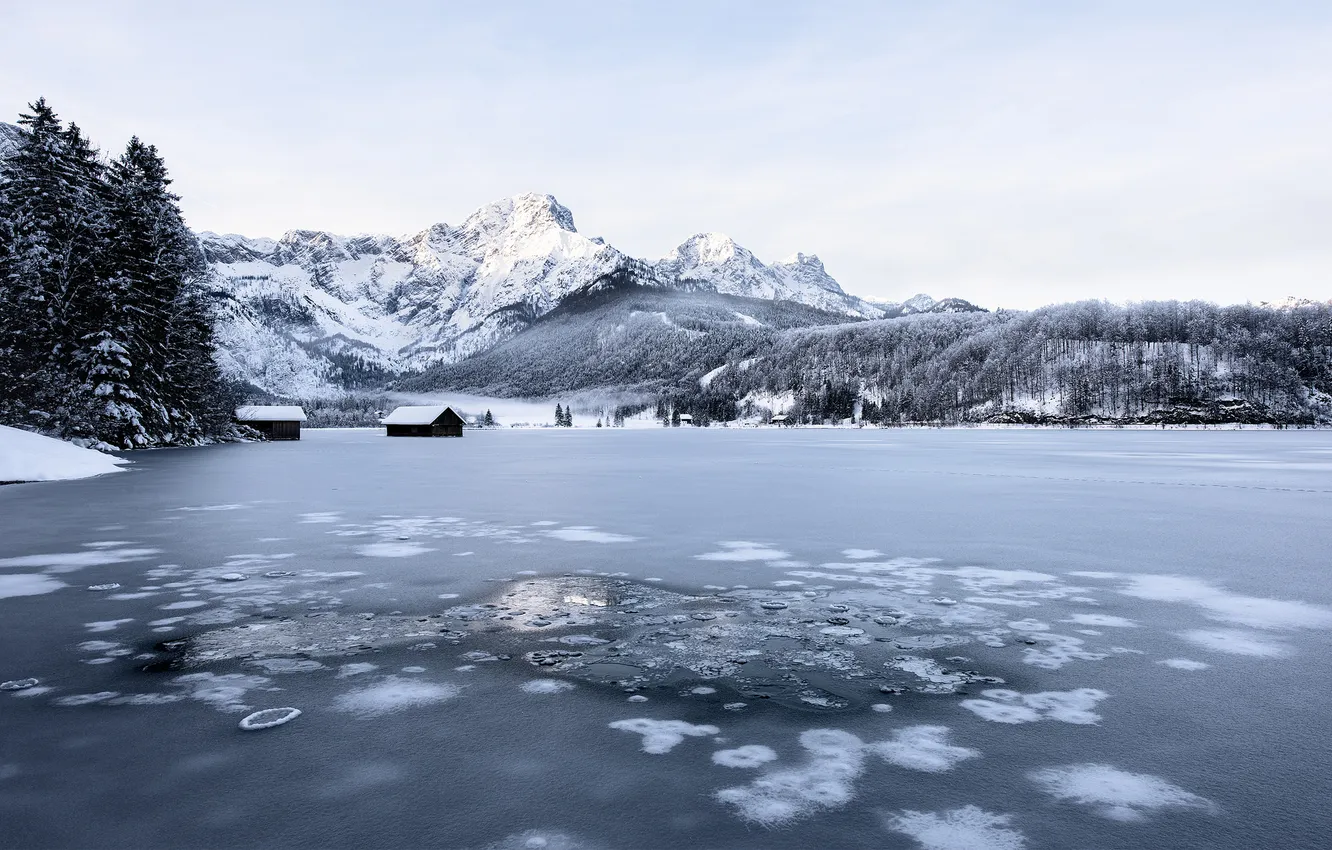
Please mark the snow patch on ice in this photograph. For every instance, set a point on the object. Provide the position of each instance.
(861, 554)
(1236, 642)
(392, 549)
(106, 625)
(546, 686)
(1104, 620)
(743, 550)
(967, 828)
(826, 779)
(28, 584)
(1005, 706)
(1220, 604)
(662, 736)
(587, 534)
(1114, 793)
(68, 562)
(750, 755)
(394, 693)
(1183, 664)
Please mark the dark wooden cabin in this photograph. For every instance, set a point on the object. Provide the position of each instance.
(274, 421)
(433, 421)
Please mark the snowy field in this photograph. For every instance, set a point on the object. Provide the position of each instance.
(721, 638)
(25, 456)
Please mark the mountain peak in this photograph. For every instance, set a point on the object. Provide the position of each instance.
(705, 248)
(526, 213)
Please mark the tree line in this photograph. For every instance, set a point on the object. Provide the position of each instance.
(106, 325)
(1074, 362)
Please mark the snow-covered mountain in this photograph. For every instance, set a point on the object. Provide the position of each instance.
(301, 304)
(309, 309)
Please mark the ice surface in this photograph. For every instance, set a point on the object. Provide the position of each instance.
(394, 693)
(966, 828)
(1005, 706)
(1114, 793)
(662, 736)
(750, 755)
(1236, 642)
(25, 456)
(742, 550)
(540, 839)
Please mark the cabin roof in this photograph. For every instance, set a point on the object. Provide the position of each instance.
(418, 415)
(270, 413)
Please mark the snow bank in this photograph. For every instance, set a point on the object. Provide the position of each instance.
(25, 456)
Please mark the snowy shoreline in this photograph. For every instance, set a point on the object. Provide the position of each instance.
(26, 457)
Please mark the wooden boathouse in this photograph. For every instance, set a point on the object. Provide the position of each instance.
(274, 421)
(428, 421)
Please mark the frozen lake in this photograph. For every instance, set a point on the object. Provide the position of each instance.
(714, 638)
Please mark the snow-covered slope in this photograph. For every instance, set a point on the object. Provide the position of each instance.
(25, 456)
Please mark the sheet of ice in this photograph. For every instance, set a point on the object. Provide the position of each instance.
(750, 755)
(587, 534)
(967, 828)
(25, 456)
(1114, 793)
(662, 736)
(392, 549)
(394, 693)
(28, 584)
(542, 839)
(1005, 706)
(743, 550)
(1236, 642)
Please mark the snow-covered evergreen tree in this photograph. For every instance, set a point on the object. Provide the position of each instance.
(105, 323)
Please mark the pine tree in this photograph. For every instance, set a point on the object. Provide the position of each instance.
(568, 417)
(490, 420)
(51, 230)
(559, 416)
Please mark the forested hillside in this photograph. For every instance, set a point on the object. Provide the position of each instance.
(1091, 361)
(105, 324)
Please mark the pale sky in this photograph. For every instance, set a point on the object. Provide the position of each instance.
(1014, 154)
